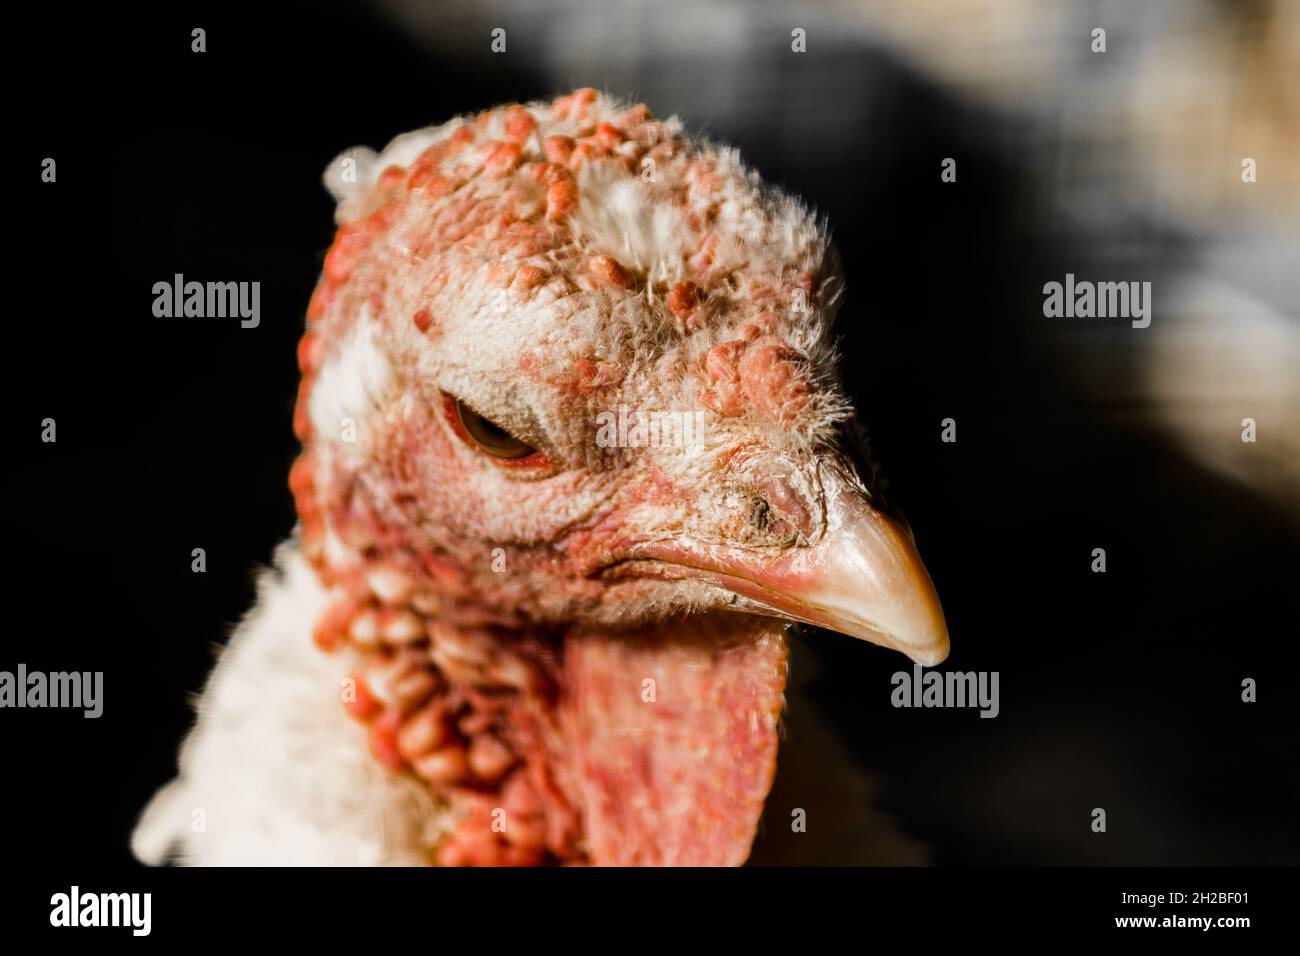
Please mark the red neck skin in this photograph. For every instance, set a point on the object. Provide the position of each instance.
(554, 744)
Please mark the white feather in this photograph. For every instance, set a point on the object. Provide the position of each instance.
(357, 380)
(275, 773)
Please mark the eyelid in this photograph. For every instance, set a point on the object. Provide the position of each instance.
(535, 460)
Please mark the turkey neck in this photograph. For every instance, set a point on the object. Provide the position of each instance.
(569, 744)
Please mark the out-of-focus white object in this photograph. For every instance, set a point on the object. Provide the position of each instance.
(1231, 358)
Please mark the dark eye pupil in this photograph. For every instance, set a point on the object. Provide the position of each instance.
(489, 436)
(493, 429)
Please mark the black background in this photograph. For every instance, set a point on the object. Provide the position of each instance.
(1119, 690)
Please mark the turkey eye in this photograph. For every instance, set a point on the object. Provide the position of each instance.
(490, 436)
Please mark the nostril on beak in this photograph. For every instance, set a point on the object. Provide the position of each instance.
(768, 522)
(782, 509)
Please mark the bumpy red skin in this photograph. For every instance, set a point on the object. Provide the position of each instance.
(474, 682)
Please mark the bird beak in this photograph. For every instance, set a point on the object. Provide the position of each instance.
(862, 577)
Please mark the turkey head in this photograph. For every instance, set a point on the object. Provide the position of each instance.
(572, 460)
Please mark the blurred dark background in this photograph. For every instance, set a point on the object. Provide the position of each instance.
(1119, 690)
